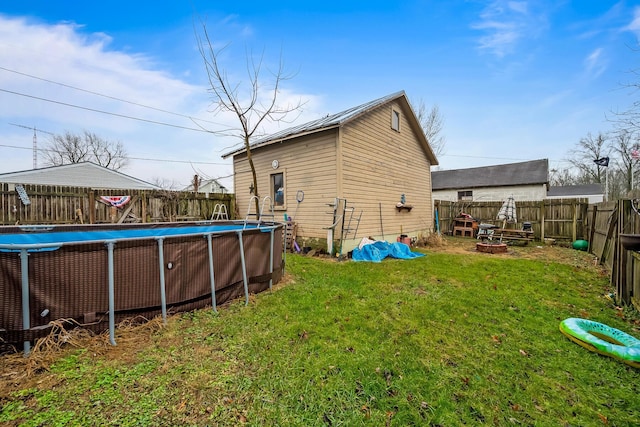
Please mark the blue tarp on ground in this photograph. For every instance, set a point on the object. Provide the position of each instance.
(379, 250)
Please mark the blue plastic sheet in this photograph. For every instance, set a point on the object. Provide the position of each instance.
(379, 250)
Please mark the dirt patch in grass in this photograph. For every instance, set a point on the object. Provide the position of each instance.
(532, 250)
(18, 372)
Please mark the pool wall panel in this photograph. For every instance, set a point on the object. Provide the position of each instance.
(72, 281)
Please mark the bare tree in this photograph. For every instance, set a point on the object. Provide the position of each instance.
(582, 158)
(432, 124)
(561, 177)
(629, 119)
(623, 145)
(87, 147)
(165, 184)
(253, 103)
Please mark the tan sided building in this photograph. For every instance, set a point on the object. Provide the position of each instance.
(373, 158)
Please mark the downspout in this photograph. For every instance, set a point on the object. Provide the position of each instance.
(339, 160)
(339, 187)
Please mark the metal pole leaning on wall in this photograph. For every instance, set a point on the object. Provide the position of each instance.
(112, 314)
(26, 315)
(211, 273)
(244, 269)
(163, 290)
(271, 259)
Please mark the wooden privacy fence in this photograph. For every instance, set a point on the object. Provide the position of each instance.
(607, 221)
(561, 219)
(42, 204)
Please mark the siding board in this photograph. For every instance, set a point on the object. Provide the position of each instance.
(309, 165)
(382, 165)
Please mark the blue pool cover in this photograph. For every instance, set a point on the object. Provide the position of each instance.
(63, 237)
(379, 250)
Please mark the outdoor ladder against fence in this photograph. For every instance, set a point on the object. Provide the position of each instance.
(220, 212)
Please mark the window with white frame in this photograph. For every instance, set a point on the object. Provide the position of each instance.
(277, 189)
(395, 120)
(466, 195)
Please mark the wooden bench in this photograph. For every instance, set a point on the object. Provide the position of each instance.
(513, 235)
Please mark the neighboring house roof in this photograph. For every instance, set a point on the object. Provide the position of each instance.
(336, 120)
(209, 186)
(84, 174)
(524, 173)
(575, 190)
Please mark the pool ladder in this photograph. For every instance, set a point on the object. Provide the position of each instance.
(219, 212)
(260, 216)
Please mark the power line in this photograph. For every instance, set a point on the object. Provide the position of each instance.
(134, 158)
(110, 113)
(194, 119)
(33, 128)
(178, 161)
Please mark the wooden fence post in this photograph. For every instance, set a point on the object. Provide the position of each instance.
(574, 225)
(92, 206)
(143, 195)
(592, 223)
(542, 225)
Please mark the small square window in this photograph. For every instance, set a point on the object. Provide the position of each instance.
(466, 196)
(395, 120)
(277, 189)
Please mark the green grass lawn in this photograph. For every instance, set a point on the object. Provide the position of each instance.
(448, 339)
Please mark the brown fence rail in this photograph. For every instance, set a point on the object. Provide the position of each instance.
(43, 204)
(561, 219)
(607, 221)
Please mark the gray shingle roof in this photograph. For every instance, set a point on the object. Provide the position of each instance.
(85, 174)
(328, 122)
(524, 173)
(575, 190)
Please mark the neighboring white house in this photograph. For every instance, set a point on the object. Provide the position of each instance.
(209, 186)
(524, 181)
(593, 192)
(84, 174)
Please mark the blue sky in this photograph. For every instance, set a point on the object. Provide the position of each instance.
(514, 80)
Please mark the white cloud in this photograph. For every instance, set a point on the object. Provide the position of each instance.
(43, 62)
(505, 24)
(634, 25)
(43, 68)
(518, 6)
(553, 100)
(595, 63)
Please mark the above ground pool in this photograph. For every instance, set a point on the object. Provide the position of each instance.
(96, 275)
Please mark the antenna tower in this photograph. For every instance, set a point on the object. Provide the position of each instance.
(35, 141)
(35, 149)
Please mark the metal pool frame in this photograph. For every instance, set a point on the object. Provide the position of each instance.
(241, 229)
